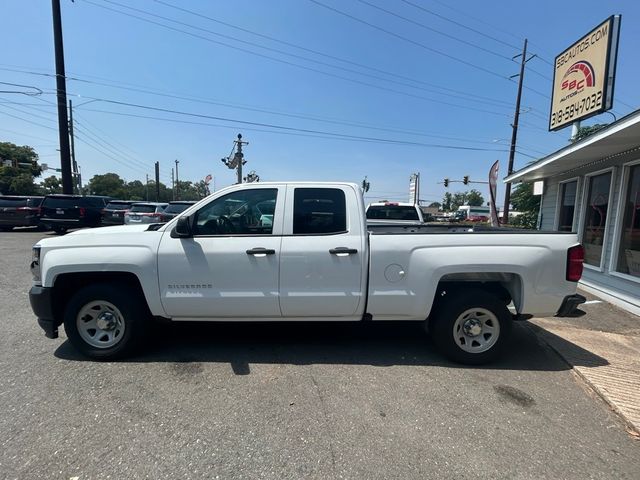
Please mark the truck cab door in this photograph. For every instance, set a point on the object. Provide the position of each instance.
(229, 266)
(324, 256)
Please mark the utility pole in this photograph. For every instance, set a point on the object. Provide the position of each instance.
(61, 87)
(514, 133)
(76, 183)
(158, 181)
(238, 158)
(177, 181)
(147, 187)
(173, 186)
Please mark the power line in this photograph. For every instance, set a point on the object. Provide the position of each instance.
(333, 75)
(242, 107)
(274, 126)
(316, 52)
(408, 40)
(447, 19)
(296, 132)
(426, 27)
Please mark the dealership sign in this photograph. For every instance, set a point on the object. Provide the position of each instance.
(584, 74)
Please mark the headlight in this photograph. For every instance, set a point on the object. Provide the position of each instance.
(35, 264)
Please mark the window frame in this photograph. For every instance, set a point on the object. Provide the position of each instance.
(278, 214)
(575, 222)
(615, 250)
(583, 214)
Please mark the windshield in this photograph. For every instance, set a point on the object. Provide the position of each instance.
(392, 212)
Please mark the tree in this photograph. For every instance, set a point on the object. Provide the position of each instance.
(51, 185)
(527, 204)
(474, 198)
(18, 167)
(435, 205)
(586, 131)
(446, 202)
(109, 184)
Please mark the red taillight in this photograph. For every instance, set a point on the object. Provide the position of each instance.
(575, 258)
(82, 211)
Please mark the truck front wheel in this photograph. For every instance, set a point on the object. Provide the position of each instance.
(470, 326)
(105, 322)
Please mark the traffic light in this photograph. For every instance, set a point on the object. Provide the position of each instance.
(446, 183)
(465, 179)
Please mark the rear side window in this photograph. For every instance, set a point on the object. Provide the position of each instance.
(392, 212)
(319, 211)
(34, 202)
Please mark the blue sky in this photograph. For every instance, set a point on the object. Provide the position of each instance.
(325, 96)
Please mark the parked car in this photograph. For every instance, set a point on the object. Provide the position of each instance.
(174, 208)
(19, 211)
(394, 213)
(62, 212)
(144, 212)
(113, 213)
(304, 252)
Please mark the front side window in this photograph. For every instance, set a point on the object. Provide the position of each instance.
(595, 220)
(319, 211)
(246, 212)
(629, 251)
(567, 205)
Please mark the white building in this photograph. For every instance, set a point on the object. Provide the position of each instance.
(592, 187)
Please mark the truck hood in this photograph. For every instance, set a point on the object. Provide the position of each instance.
(108, 236)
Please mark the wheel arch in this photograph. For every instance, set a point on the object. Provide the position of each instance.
(65, 285)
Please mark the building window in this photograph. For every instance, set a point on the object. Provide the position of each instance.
(567, 205)
(595, 220)
(629, 251)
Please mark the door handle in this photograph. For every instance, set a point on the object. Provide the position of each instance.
(341, 251)
(261, 251)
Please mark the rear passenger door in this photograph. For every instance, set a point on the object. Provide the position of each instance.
(323, 254)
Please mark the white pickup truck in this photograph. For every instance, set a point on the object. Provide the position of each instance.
(299, 252)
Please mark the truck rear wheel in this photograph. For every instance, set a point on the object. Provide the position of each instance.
(105, 322)
(470, 326)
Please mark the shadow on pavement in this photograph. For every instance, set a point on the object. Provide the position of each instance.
(377, 344)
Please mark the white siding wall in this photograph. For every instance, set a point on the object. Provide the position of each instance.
(628, 290)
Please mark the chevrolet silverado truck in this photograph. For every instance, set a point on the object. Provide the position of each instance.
(300, 252)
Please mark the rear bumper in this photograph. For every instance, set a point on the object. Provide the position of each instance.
(569, 307)
(42, 305)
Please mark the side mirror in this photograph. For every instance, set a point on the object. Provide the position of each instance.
(182, 228)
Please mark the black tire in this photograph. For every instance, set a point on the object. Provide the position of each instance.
(131, 312)
(60, 230)
(453, 313)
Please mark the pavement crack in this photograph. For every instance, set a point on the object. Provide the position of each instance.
(325, 414)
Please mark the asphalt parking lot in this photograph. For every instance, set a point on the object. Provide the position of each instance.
(291, 401)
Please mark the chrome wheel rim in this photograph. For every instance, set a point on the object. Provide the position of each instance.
(476, 330)
(100, 324)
